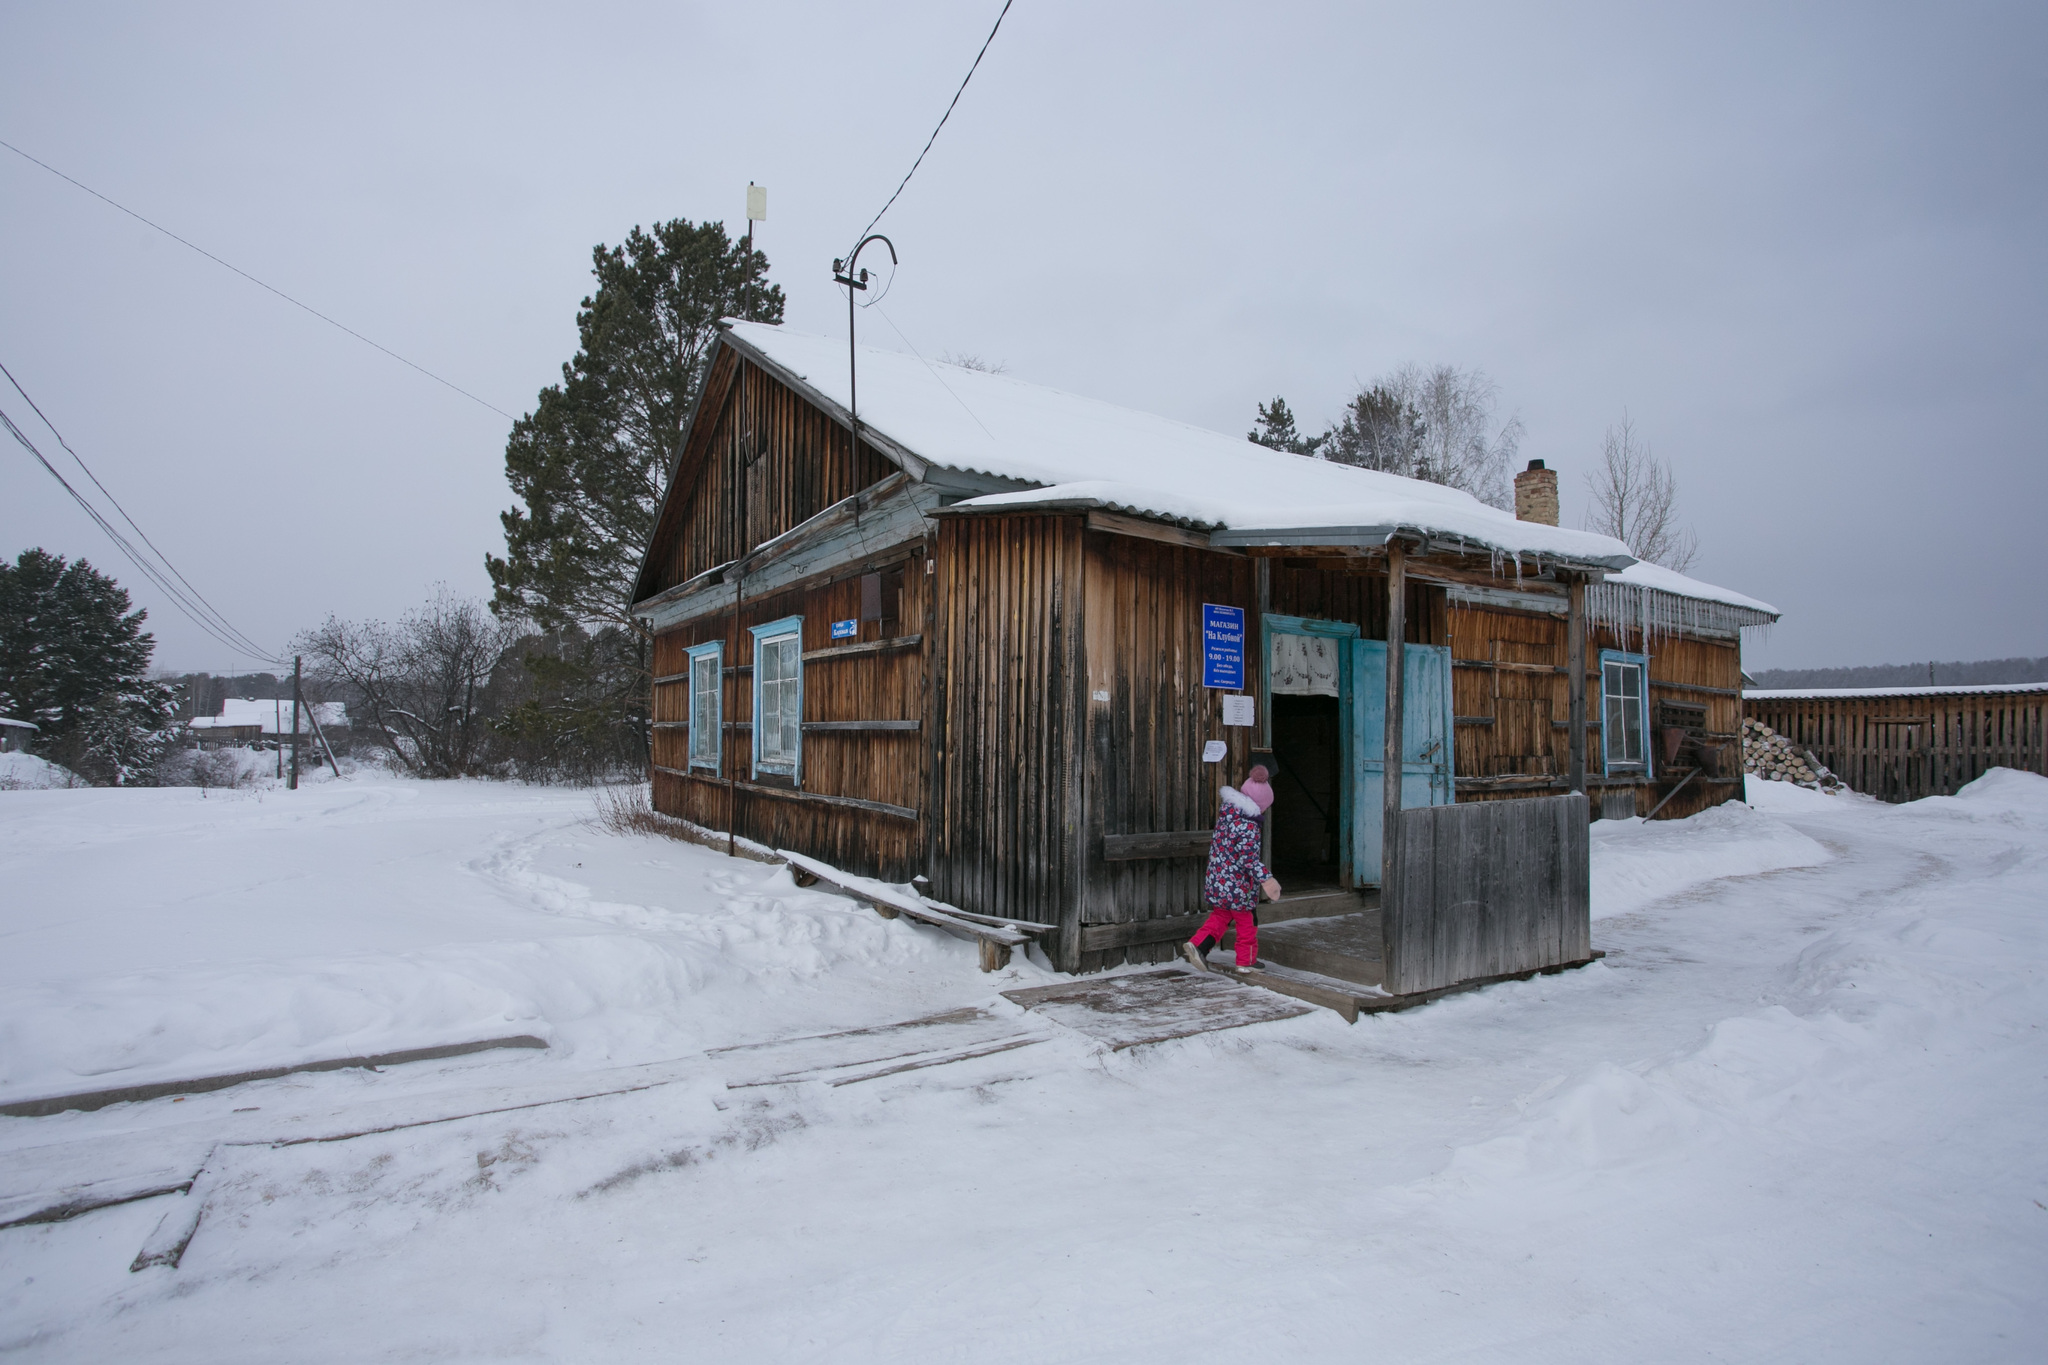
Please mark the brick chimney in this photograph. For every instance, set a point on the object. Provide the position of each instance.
(1536, 494)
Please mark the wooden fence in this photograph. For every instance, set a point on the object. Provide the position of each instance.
(1488, 889)
(1909, 745)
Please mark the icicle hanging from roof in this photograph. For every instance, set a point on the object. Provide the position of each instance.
(1630, 609)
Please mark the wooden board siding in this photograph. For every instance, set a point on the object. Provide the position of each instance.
(1524, 700)
(881, 766)
(760, 460)
(1904, 748)
(1488, 890)
(1358, 597)
(1148, 719)
(1005, 708)
(1509, 693)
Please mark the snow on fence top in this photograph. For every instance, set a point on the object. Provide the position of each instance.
(1079, 452)
(1832, 693)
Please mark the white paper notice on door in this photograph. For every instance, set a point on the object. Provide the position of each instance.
(1238, 710)
(1304, 665)
(1213, 751)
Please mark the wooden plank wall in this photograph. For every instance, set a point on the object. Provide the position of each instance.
(1148, 719)
(1005, 712)
(1509, 671)
(887, 766)
(1489, 889)
(1299, 588)
(1904, 748)
(768, 462)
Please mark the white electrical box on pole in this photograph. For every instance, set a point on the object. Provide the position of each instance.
(757, 209)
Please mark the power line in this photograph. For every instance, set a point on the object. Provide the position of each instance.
(935, 374)
(134, 557)
(942, 121)
(273, 288)
(108, 493)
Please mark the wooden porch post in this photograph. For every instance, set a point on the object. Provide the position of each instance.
(1390, 755)
(1575, 651)
(1262, 698)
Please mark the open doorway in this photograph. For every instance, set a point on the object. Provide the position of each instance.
(1307, 802)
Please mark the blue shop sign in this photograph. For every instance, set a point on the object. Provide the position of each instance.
(1222, 646)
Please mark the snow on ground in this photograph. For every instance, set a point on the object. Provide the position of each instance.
(1794, 1115)
(174, 933)
(26, 772)
(1637, 861)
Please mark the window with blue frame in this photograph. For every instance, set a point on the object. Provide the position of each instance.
(779, 698)
(1625, 711)
(707, 704)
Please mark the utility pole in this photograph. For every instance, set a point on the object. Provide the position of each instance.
(843, 273)
(298, 665)
(757, 212)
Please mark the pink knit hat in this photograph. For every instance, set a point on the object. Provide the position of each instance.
(1258, 788)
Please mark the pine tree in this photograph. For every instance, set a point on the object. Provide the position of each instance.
(1380, 429)
(590, 462)
(1276, 430)
(74, 661)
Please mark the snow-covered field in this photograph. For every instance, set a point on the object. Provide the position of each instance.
(1796, 1114)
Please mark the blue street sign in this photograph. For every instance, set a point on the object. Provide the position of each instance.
(1222, 646)
(845, 630)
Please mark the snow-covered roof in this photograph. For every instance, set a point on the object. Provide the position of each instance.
(18, 724)
(1082, 452)
(1643, 574)
(271, 716)
(1827, 693)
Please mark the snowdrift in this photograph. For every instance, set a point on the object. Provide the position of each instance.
(26, 772)
(1637, 862)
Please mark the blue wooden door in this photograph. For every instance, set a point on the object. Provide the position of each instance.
(1427, 749)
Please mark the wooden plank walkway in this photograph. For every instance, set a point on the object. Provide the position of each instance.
(1152, 1007)
(866, 1054)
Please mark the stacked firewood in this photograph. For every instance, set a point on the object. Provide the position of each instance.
(1768, 754)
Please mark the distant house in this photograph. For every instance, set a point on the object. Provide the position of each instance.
(246, 721)
(1015, 640)
(15, 735)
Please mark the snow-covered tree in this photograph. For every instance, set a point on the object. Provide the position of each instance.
(74, 661)
(428, 686)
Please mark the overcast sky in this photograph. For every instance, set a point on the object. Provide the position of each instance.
(1802, 248)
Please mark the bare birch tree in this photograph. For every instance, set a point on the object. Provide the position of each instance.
(1635, 500)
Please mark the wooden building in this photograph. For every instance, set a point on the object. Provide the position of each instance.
(1903, 743)
(1015, 640)
(16, 735)
(264, 722)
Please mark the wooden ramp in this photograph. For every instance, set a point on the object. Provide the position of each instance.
(1151, 1007)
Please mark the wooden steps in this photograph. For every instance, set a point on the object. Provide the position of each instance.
(1351, 998)
(1345, 947)
(1319, 903)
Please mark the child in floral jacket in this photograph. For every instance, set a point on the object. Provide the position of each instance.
(1236, 877)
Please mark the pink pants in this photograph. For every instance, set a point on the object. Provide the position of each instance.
(1247, 932)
